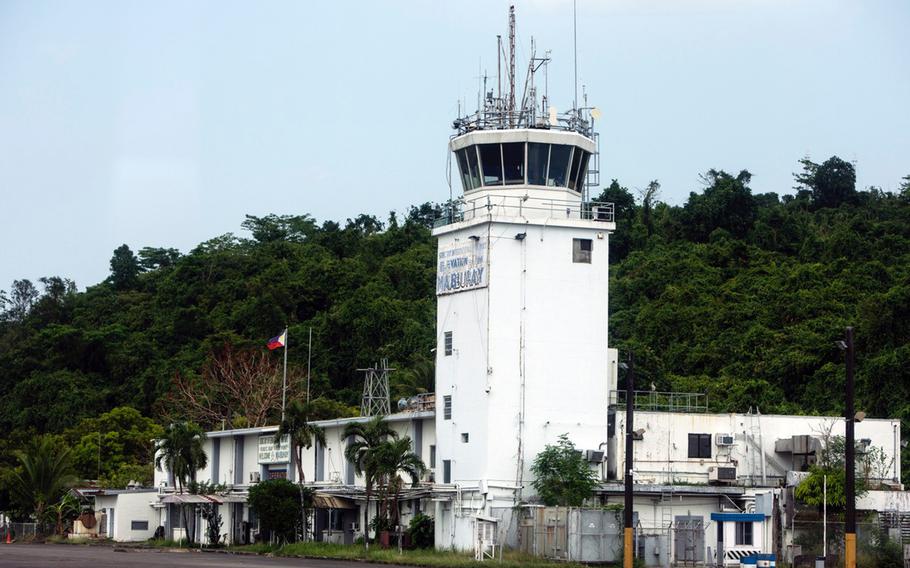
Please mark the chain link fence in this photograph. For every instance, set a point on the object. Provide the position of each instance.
(18, 532)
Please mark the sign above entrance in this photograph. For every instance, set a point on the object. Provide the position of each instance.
(461, 265)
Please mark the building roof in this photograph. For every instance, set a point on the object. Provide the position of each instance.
(397, 417)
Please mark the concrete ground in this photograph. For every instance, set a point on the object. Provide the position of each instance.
(76, 556)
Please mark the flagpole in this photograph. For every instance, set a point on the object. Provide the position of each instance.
(284, 381)
(309, 358)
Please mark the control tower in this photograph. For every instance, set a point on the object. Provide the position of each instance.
(522, 296)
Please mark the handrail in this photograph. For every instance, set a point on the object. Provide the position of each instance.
(522, 206)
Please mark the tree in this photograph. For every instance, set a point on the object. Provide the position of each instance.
(114, 446)
(124, 269)
(22, 297)
(43, 476)
(302, 434)
(153, 258)
(233, 384)
(277, 505)
(562, 476)
(726, 203)
(831, 183)
(364, 453)
(180, 451)
(394, 457)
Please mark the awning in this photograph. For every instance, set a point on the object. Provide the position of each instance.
(188, 499)
(323, 501)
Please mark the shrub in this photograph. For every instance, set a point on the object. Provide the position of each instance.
(422, 531)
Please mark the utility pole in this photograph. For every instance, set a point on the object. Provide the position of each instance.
(850, 417)
(627, 509)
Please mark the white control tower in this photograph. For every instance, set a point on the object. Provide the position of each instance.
(522, 292)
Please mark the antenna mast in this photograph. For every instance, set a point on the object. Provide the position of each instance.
(376, 390)
(511, 59)
(575, 51)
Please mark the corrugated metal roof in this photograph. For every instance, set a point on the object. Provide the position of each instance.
(323, 501)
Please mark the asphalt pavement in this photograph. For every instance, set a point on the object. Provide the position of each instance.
(79, 556)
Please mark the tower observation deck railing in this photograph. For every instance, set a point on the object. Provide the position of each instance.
(663, 401)
(522, 206)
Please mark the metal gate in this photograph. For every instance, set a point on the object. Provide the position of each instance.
(689, 540)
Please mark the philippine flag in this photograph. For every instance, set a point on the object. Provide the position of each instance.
(278, 341)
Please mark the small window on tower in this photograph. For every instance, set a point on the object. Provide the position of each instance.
(465, 437)
(447, 407)
(432, 456)
(581, 250)
(447, 343)
(447, 471)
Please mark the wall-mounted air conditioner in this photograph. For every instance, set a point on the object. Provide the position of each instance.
(722, 475)
(594, 456)
(429, 476)
(724, 439)
(255, 477)
(335, 476)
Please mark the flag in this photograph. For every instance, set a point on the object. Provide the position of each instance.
(278, 341)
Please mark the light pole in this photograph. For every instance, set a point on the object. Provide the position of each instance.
(627, 478)
(850, 456)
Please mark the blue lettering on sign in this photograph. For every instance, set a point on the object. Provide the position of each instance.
(461, 266)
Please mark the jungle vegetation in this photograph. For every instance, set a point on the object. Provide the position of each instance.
(732, 293)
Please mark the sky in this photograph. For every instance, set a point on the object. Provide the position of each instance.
(164, 123)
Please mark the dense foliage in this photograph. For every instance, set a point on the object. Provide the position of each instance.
(731, 293)
(278, 506)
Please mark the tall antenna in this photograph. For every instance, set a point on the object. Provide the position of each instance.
(376, 390)
(511, 58)
(575, 51)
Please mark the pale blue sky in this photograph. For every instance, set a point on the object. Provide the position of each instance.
(163, 123)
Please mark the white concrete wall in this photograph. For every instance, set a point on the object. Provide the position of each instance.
(662, 455)
(547, 322)
(128, 507)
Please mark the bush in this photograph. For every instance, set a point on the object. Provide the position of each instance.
(277, 503)
(422, 530)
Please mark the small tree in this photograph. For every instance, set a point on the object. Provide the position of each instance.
(44, 474)
(562, 475)
(277, 504)
(180, 451)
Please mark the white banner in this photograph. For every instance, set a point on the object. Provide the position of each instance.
(270, 452)
(461, 265)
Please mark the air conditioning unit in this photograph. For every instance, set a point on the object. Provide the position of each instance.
(594, 456)
(722, 475)
(335, 476)
(255, 477)
(602, 213)
(724, 439)
(429, 476)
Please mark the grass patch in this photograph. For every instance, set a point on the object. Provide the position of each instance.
(429, 557)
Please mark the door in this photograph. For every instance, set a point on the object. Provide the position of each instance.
(689, 539)
(110, 519)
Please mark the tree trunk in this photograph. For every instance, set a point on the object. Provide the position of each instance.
(366, 517)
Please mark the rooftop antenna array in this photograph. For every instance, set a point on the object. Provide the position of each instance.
(375, 400)
(505, 110)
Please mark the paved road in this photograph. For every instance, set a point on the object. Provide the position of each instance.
(75, 556)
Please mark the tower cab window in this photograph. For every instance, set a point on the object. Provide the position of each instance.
(491, 163)
(513, 162)
(560, 155)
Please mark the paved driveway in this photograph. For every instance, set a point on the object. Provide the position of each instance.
(76, 556)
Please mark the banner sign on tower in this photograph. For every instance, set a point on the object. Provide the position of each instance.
(461, 265)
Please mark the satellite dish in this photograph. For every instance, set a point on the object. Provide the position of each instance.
(553, 120)
(402, 403)
(595, 113)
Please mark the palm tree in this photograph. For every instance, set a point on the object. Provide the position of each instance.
(362, 451)
(181, 452)
(302, 434)
(394, 457)
(45, 472)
